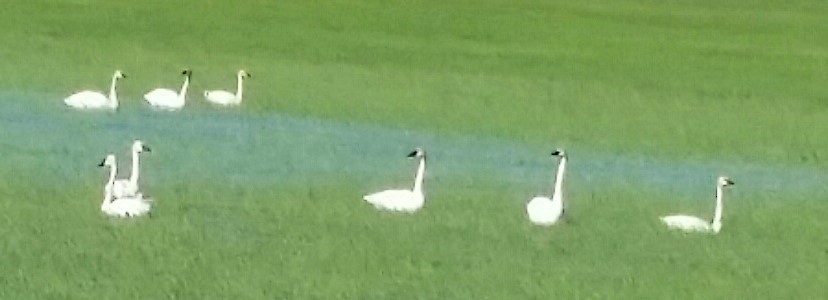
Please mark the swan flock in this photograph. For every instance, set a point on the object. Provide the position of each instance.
(123, 197)
(162, 99)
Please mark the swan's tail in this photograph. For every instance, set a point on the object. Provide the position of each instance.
(72, 102)
(368, 198)
(145, 198)
(372, 199)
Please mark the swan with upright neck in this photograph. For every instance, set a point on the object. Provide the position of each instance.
(408, 201)
(695, 224)
(544, 211)
(95, 100)
(129, 187)
(167, 99)
(226, 98)
(125, 207)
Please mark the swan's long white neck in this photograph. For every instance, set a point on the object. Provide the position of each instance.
(113, 95)
(133, 177)
(558, 193)
(183, 94)
(239, 88)
(717, 215)
(108, 186)
(418, 179)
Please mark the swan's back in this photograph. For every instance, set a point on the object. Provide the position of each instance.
(87, 100)
(396, 200)
(123, 188)
(163, 98)
(686, 223)
(128, 207)
(221, 97)
(544, 211)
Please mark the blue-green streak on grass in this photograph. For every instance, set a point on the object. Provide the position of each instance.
(652, 100)
(241, 150)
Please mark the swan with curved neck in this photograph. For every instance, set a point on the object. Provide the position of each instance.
(125, 207)
(403, 200)
(94, 100)
(167, 99)
(226, 98)
(695, 224)
(129, 187)
(545, 211)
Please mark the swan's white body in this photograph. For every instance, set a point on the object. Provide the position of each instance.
(544, 211)
(408, 201)
(695, 224)
(226, 98)
(167, 99)
(93, 100)
(129, 187)
(122, 207)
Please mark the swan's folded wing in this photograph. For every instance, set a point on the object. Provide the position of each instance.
(86, 99)
(160, 94)
(685, 222)
(387, 196)
(219, 97)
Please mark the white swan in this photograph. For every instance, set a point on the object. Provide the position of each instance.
(402, 200)
(167, 99)
(544, 211)
(129, 187)
(226, 98)
(121, 207)
(694, 224)
(96, 100)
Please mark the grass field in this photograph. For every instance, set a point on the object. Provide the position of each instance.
(652, 100)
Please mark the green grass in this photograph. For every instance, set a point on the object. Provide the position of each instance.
(652, 99)
(280, 243)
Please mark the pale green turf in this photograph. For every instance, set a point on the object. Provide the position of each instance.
(653, 100)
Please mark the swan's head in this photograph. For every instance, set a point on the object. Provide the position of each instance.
(139, 146)
(725, 181)
(417, 153)
(119, 74)
(559, 153)
(187, 72)
(108, 161)
(244, 74)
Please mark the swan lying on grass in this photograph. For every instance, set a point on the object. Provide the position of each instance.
(94, 100)
(544, 211)
(167, 99)
(226, 98)
(129, 187)
(402, 200)
(121, 207)
(695, 224)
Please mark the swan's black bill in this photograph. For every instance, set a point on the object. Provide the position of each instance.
(187, 72)
(103, 162)
(556, 153)
(145, 148)
(123, 75)
(729, 182)
(413, 154)
(248, 75)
